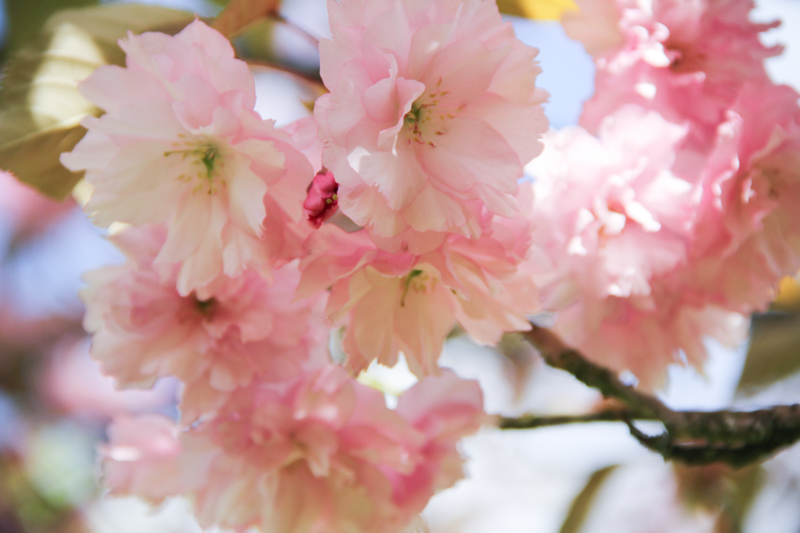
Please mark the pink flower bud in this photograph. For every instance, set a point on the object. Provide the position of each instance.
(322, 200)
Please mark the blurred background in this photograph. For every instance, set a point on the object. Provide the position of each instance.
(54, 403)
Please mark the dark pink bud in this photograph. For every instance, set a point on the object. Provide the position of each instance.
(322, 201)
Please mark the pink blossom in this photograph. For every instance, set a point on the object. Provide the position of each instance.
(144, 457)
(610, 213)
(396, 302)
(444, 409)
(700, 64)
(645, 334)
(320, 454)
(304, 133)
(181, 145)
(748, 232)
(711, 236)
(245, 330)
(433, 112)
(687, 60)
(614, 217)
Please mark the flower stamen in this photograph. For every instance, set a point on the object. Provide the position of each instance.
(200, 153)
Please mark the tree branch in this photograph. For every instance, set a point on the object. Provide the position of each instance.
(533, 421)
(693, 437)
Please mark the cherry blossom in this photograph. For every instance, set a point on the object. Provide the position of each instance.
(652, 246)
(433, 112)
(181, 145)
(687, 60)
(645, 334)
(396, 302)
(662, 220)
(610, 213)
(246, 331)
(748, 232)
(144, 457)
(321, 453)
(700, 66)
(613, 216)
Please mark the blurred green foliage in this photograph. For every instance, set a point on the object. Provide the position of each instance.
(24, 18)
(582, 504)
(774, 350)
(40, 104)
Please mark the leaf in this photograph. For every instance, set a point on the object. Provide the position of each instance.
(745, 485)
(517, 359)
(721, 490)
(537, 9)
(25, 19)
(774, 351)
(40, 105)
(240, 13)
(582, 503)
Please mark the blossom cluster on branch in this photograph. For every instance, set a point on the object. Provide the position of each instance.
(665, 217)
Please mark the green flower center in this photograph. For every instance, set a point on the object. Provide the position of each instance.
(427, 118)
(418, 281)
(204, 164)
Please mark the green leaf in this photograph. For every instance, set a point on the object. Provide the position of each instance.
(720, 490)
(25, 18)
(745, 486)
(582, 503)
(774, 351)
(238, 14)
(517, 359)
(537, 9)
(40, 105)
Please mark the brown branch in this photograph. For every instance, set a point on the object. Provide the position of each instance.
(533, 421)
(239, 14)
(694, 437)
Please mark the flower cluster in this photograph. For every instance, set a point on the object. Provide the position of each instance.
(432, 114)
(319, 453)
(234, 279)
(686, 60)
(667, 215)
(396, 212)
(407, 302)
(249, 330)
